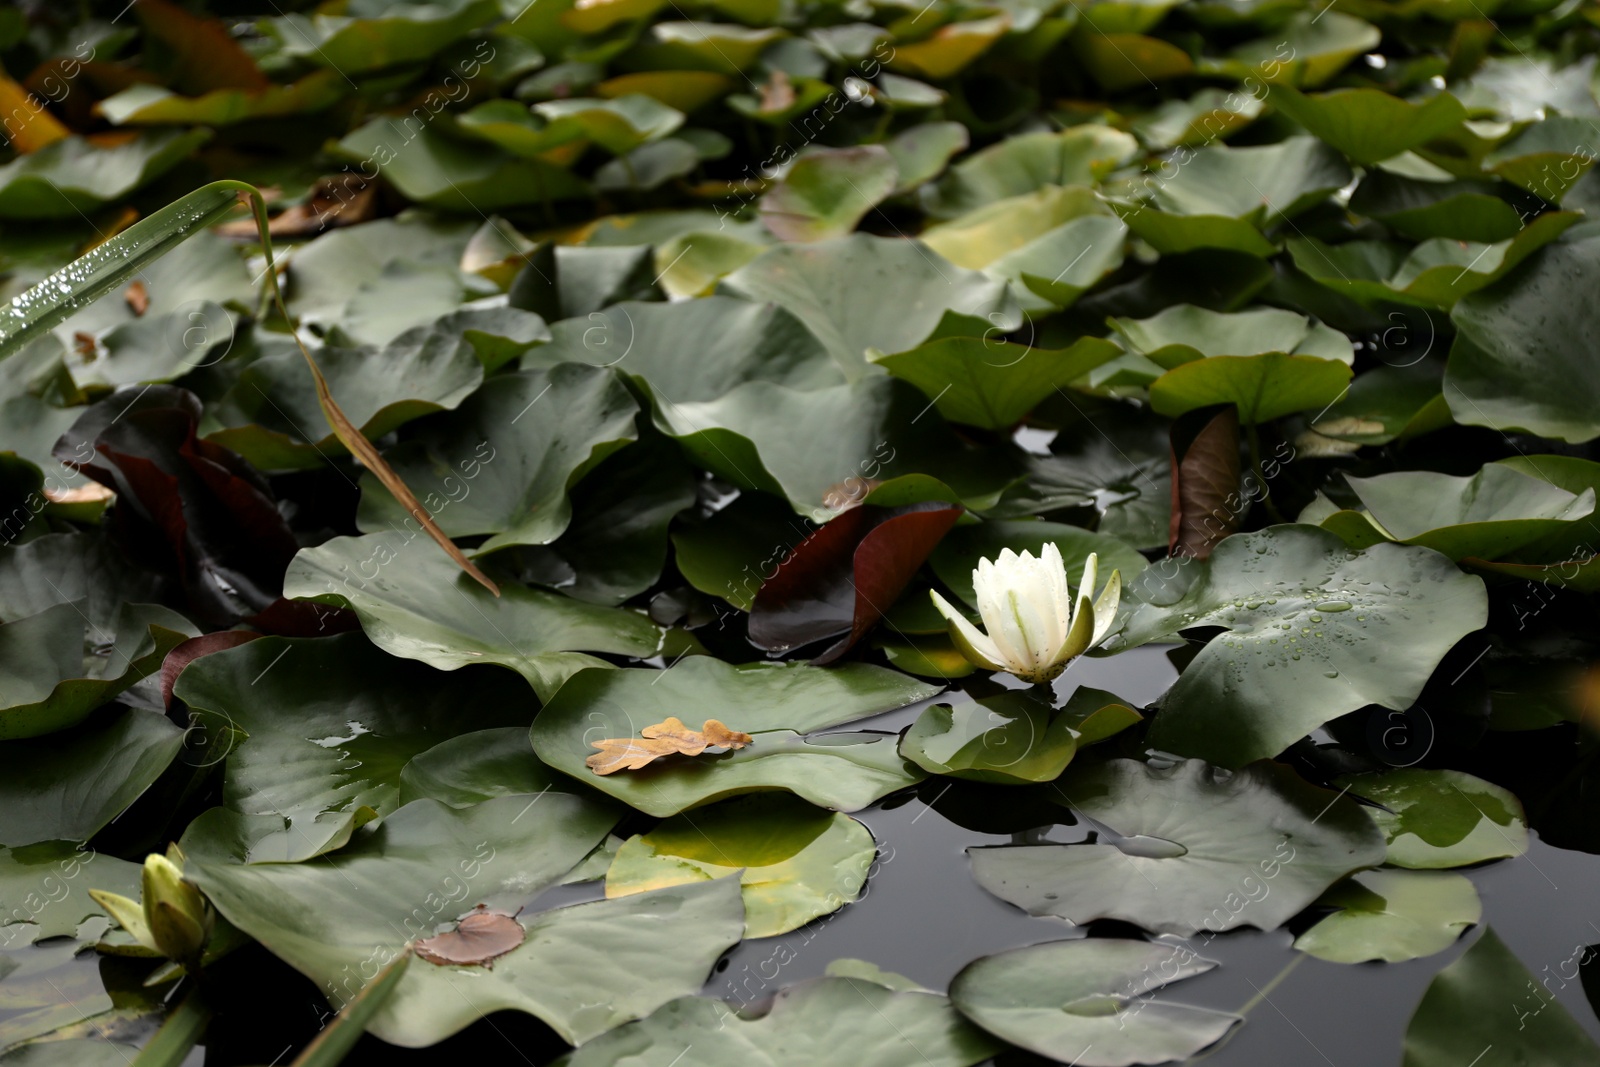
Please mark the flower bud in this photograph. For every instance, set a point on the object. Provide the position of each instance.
(175, 912)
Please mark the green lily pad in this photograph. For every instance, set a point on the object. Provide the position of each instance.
(369, 35)
(48, 987)
(795, 863)
(921, 152)
(272, 416)
(1184, 333)
(1266, 362)
(184, 287)
(1546, 158)
(1014, 166)
(649, 166)
(330, 271)
(1126, 16)
(995, 230)
(325, 726)
(819, 447)
(569, 281)
(1193, 847)
(1012, 737)
(712, 46)
(841, 289)
(1442, 818)
(1386, 404)
(778, 704)
(616, 545)
(470, 768)
(497, 335)
(502, 463)
(949, 49)
(1263, 387)
(1204, 117)
(68, 788)
(957, 555)
(731, 553)
(1460, 210)
(1083, 999)
(693, 263)
(1170, 233)
(1122, 61)
(73, 176)
(990, 383)
(1487, 515)
(1508, 377)
(1262, 185)
(618, 125)
(1568, 556)
(865, 971)
(828, 190)
(926, 656)
(599, 17)
(406, 295)
(1393, 916)
(428, 610)
(432, 168)
(1108, 456)
(1092, 247)
(141, 104)
(693, 350)
(1367, 627)
(1307, 50)
(1369, 125)
(44, 890)
(818, 1023)
(1525, 88)
(58, 665)
(1025, 240)
(1487, 998)
(1435, 273)
(582, 969)
(685, 90)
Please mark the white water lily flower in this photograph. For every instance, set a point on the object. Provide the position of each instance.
(1034, 628)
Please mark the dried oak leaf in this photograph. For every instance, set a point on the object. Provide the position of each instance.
(667, 738)
(717, 734)
(478, 939)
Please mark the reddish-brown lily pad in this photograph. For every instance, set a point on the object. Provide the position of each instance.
(842, 578)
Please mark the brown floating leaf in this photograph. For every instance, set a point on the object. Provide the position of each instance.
(138, 298)
(627, 754)
(335, 200)
(668, 738)
(717, 734)
(84, 345)
(689, 742)
(477, 939)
